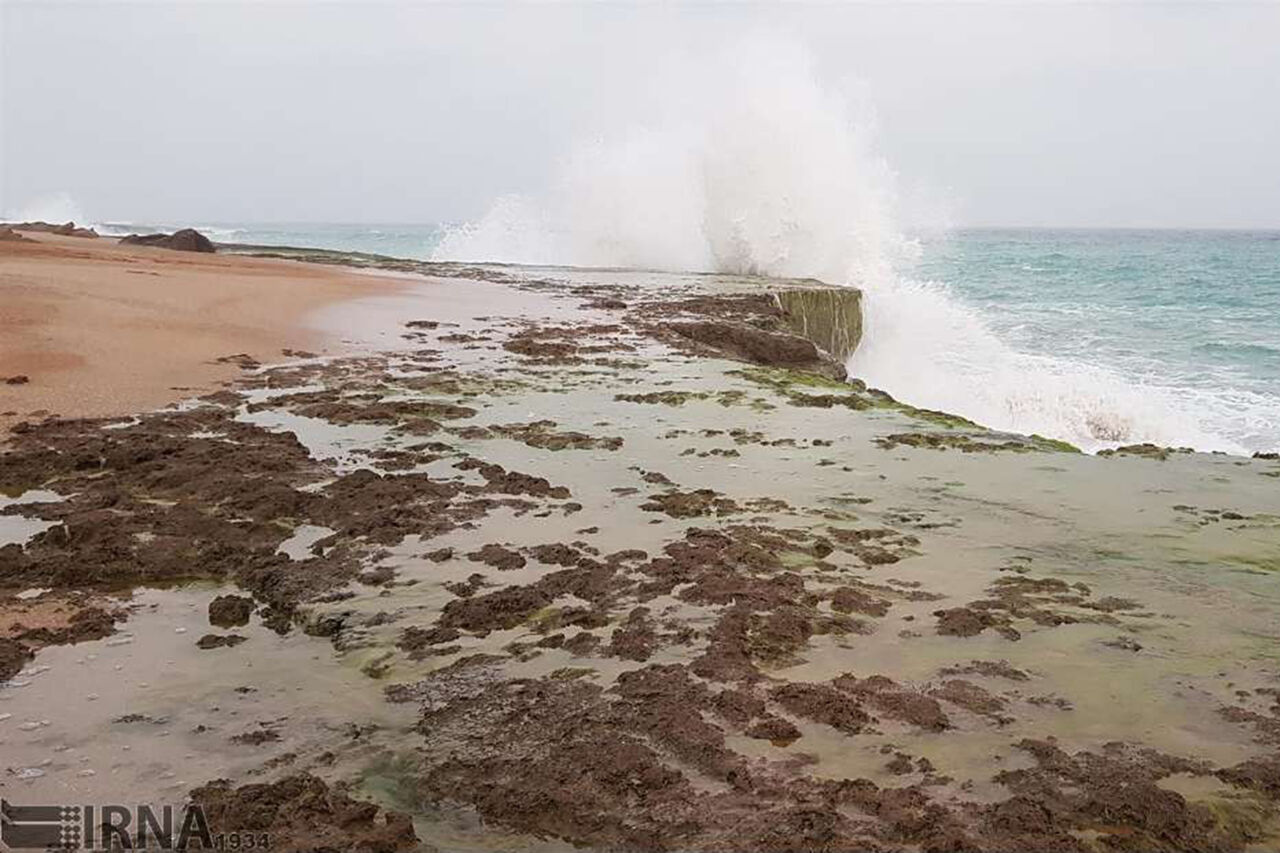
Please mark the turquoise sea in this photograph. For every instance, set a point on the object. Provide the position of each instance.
(1100, 337)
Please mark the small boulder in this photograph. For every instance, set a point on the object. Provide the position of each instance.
(230, 611)
(220, 641)
(185, 240)
(13, 657)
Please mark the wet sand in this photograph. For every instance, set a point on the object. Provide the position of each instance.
(100, 329)
(534, 570)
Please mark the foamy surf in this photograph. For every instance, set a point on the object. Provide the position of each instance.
(926, 347)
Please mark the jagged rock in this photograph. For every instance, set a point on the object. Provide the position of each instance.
(301, 812)
(230, 611)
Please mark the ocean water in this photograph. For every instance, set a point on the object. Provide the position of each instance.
(1098, 337)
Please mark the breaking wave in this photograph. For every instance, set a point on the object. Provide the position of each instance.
(752, 164)
(927, 347)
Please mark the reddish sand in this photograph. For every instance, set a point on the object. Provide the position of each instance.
(101, 329)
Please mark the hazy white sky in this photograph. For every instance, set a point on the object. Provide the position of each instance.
(1036, 114)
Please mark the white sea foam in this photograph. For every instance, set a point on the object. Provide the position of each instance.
(928, 348)
(219, 233)
(114, 229)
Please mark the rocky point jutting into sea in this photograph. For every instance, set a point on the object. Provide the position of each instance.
(621, 560)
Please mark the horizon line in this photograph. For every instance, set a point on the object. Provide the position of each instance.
(191, 222)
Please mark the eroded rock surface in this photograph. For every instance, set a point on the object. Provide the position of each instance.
(638, 587)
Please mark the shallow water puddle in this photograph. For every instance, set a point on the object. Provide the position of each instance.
(323, 440)
(298, 546)
(149, 713)
(18, 529)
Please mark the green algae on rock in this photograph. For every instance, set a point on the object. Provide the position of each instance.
(831, 317)
(1145, 451)
(748, 650)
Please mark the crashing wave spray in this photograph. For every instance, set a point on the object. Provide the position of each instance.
(930, 349)
(754, 166)
(762, 171)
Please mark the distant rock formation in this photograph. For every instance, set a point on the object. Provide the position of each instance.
(66, 229)
(186, 240)
(7, 233)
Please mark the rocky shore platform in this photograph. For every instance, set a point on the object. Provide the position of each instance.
(560, 559)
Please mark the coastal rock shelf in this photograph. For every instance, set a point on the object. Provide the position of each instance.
(621, 559)
(827, 315)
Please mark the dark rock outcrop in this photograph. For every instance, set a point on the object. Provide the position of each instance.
(301, 812)
(775, 349)
(797, 327)
(13, 657)
(230, 611)
(186, 240)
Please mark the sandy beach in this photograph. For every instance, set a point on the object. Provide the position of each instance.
(101, 329)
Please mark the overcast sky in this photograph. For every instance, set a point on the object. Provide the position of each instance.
(1004, 114)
